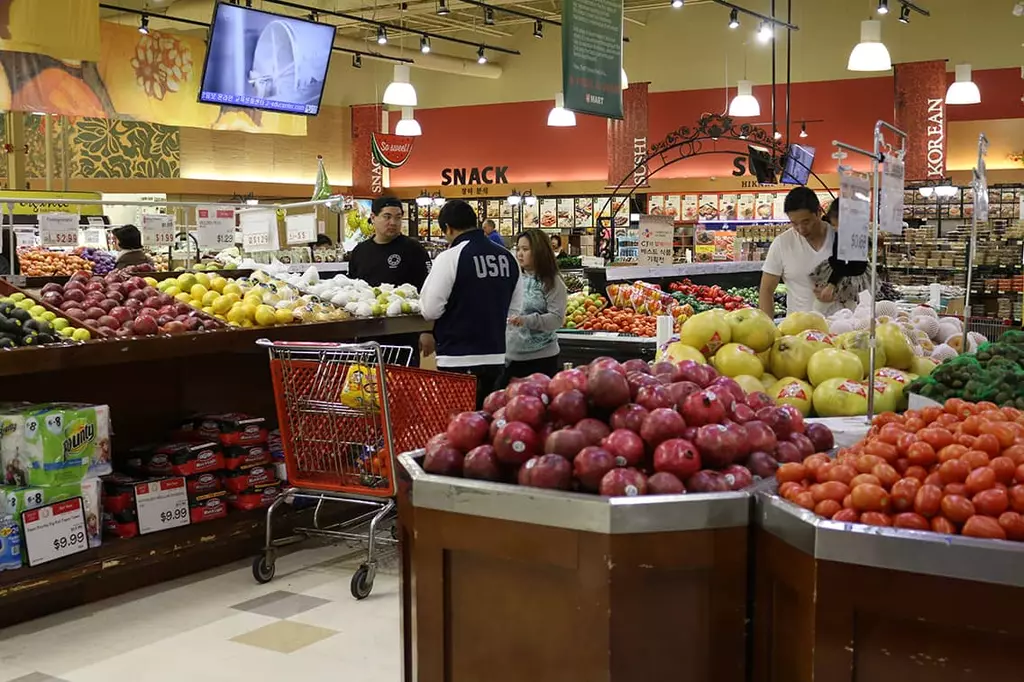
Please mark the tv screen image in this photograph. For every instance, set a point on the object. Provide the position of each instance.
(266, 61)
(797, 167)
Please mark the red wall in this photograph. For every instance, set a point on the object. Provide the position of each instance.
(516, 134)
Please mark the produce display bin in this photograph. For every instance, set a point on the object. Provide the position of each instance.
(839, 602)
(726, 274)
(505, 583)
(580, 347)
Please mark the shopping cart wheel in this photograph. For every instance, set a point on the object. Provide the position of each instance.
(263, 568)
(362, 583)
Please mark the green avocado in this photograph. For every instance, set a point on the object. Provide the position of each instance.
(21, 315)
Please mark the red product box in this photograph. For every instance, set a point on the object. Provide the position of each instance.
(121, 525)
(185, 459)
(208, 507)
(232, 429)
(263, 496)
(249, 479)
(119, 493)
(242, 456)
(203, 484)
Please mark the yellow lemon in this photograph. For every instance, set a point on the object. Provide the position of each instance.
(253, 299)
(198, 291)
(186, 281)
(265, 316)
(184, 298)
(218, 283)
(236, 315)
(81, 335)
(284, 316)
(150, 281)
(203, 278)
(164, 283)
(246, 324)
(221, 304)
(172, 290)
(209, 297)
(208, 310)
(249, 311)
(232, 288)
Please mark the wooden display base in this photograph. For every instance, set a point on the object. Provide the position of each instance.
(499, 601)
(824, 621)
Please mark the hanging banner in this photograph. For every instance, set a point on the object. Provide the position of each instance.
(655, 240)
(259, 230)
(367, 171)
(627, 140)
(921, 114)
(62, 29)
(391, 151)
(592, 57)
(890, 196)
(215, 227)
(854, 217)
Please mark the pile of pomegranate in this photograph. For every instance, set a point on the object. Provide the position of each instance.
(626, 429)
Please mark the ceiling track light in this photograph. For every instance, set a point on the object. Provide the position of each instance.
(803, 129)
(488, 16)
(481, 58)
(676, 4)
(904, 15)
(734, 18)
(442, 8)
(144, 25)
(382, 35)
(538, 29)
(883, 6)
(424, 45)
(357, 61)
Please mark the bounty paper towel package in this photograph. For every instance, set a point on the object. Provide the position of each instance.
(54, 443)
(14, 500)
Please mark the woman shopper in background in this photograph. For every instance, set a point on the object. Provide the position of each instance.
(531, 341)
(129, 241)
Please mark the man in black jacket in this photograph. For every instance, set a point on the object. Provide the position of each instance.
(471, 289)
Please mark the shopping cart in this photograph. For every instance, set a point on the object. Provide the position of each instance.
(344, 411)
(989, 327)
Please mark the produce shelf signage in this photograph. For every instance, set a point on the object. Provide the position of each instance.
(656, 235)
(259, 230)
(215, 227)
(157, 230)
(162, 505)
(54, 531)
(58, 229)
(300, 229)
(592, 57)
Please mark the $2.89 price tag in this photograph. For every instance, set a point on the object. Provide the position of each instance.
(55, 531)
(162, 505)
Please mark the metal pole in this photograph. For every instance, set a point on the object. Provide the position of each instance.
(48, 142)
(874, 273)
(977, 176)
(169, 204)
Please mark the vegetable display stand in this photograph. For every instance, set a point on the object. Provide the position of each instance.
(507, 583)
(837, 602)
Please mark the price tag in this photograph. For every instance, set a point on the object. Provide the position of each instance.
(259, 230)
(890, 215)
(854, 217)
(55, 531)
(215, 227)
(157, 229)
(300, 229)
(162, 505)
(58, 229)
(94, 237)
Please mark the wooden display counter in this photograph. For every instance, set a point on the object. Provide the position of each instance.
(507, 584)
(838, 602)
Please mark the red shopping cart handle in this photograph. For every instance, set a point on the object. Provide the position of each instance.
(312, 344)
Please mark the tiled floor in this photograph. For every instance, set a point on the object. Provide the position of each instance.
(221, 625)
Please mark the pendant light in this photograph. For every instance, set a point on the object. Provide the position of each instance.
(400, 92)
(744, 104)
(408, 126)
(559, 116)
(963, 90)
(870, 54)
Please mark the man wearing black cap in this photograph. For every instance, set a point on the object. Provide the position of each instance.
(392, 258)
(469, 293)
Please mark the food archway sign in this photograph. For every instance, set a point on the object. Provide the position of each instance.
(712, 134)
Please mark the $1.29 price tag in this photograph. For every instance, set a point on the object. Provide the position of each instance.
(215, 227)
(55, 531)
(58, 229)
(162, 505)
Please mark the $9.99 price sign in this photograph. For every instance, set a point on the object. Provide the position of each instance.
(55, 531)
(162, 505)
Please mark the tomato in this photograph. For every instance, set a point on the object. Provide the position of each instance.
(882, 449)
(813, 462)
(1012, 524)
(955, 489)
(928, 500)
(1016, 453)
(1011, 413)
(804, 499)
(875, 519)
(890, 433)
(842, 472)
(988, 444)
(933, 479)
(954, 471)
(914, 424)
(870, 497)
(938, 438)
(1002, 432)
(1017, 498)
(964, 439)
(886, 474)
(975, 459)
(916, 472)
(789, 487)
(922, 454)
(983, 527)
(827, 508)
(911, 520)
(830, 490)
(954, 406)
(957, 508)
(980, 479)
(1004, 469)
(865, 463)
(946, 421)
(848, 502)
(992, 502)
(903, 494)
(930, 413)
(822, 472)
(940, 524)
(971, 425)
(887, 418)
(954, 451)
(847, 516)
(985, 406)
(865, 479)
(1018, 475)
(791, 471)
(902, 464)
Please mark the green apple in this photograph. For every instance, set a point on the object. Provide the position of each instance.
(81, 335)
(60, 324)
(48, 316)
(36, 311)
(65, 331)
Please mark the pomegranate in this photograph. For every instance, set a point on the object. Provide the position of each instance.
(547, 471)
(515, 443)
(664, 483)
(666, 368)
(739, 435)
(706, 481)
(662, 424)
(681, 389)
(623, 483)
(787, 451)
(608, 389)
(605, 362)
(495, 401)
(481, 463)
(653, 397)
(688, 370)
(435, 442)
(567, 380)
(638, 380)
(594, 429)
(636, 365)
(719, 445)
(741, 413)
(804, 444)
(590, 465)
(526, 388)
(467, 430)
(780, 420)
(497, 422)
(737, 477)
(796, 418)
(541, 379)
(821, 436)
(568, 407)
(566, 442)
(528, 409)
(443, 460)
(630, 416)
(761, 464)
(759, 399)
(759, 436)
(678, 457)
(704, 407)
(625, 446)
(730, 387)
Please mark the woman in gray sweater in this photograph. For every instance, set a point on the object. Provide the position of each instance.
(531, 344)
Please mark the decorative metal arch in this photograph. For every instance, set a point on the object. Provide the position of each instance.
(688, 142)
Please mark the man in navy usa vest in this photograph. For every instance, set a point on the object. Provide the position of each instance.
(469, 292)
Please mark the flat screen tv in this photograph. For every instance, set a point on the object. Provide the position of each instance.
(797, 166)
(762, 164)
(265, 61)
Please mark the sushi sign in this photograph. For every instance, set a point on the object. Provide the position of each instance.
(391, 151)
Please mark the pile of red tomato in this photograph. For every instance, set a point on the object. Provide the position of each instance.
(622, 320)
(711, 295)
(956, 469)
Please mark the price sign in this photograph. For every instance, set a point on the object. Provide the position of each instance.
(58, 229)
(215, 227)
(656, 240)
(157, 229)
(95, 237)
(300, 229)
(890, 218)
(55, 531)
(259, 230)
(854, 217)
(162, 505)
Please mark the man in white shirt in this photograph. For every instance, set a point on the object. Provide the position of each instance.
(795, 253)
